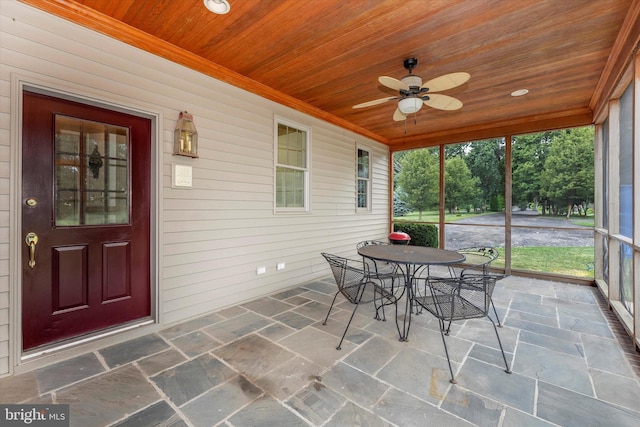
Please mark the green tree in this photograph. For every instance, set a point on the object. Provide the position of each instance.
(528, 154)
(568, 176)
(485, 160)
(460, 188)
(418, 180)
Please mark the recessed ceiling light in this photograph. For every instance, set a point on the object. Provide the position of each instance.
(520, 92)
(217, 6)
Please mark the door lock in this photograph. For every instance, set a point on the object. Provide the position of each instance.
(32, 240)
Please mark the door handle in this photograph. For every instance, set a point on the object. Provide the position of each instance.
(32, 240)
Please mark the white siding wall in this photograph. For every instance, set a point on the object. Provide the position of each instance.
(212, 237)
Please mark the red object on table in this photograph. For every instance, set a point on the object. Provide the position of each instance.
(399, 238)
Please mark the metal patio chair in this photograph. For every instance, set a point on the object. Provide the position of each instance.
(461, 298)
(478, 260)
(358, 286)
(390, 276)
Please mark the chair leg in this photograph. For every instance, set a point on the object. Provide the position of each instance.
(446, 351)
(330, 308)
(339, 347)
(508, 370)
(496, 313)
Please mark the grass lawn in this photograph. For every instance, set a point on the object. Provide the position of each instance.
(572, 261)
(433, 216)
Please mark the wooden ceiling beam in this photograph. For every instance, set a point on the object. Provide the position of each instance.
(543, 122)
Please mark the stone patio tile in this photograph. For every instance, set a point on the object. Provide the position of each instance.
(128, 351)
(538, 309)
(297, 300)
(254, 415)
(355, 385)
(418, 373)
(289, 378)
(108, 398)
(553, 367)
(192, 378)
(236, 327)
(190, 326)
(325, 286)
(616, 389)
(352, 415)
(19, 388)
(527, 298)
(583, 294)
(231, 312)
(568, 347)
(289, 293)
(336, 328)
(267, 306)
(494, 383)
(430, 341)
(155, 415)
(220, 402)
(314, 310)
(374, 354)
(67, 372)
(323, 298)
(317, 346)
(405, 410)
(579, 310)
(585, 326)
(605, 354)
(161, 361)
(195, 343)
(562, 334)
(253, 356)
(294, 320)
(490, 355)
(569, 409)
(531, 317)
(481, 331)
(316, 402)
(276, 332)
(472, 407)
(515, 418)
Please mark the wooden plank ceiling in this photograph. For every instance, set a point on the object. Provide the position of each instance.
(324, 56)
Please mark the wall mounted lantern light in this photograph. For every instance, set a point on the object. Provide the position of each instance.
(185, 137)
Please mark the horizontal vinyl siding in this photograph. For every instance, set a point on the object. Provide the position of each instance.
(214, 235)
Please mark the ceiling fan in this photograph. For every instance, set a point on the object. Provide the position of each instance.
(413, 93)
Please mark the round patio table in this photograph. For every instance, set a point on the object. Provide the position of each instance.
(410, 260)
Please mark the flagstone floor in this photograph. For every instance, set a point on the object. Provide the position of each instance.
(271, 362)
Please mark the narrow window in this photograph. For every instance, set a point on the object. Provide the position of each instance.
(292, 167)
(363, 179)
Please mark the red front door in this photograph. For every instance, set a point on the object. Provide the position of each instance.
(85, 219)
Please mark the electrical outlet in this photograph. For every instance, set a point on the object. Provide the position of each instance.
(280, 266)
(261, 270)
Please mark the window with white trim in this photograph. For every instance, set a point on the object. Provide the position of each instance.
(363, 179)
(292, 167)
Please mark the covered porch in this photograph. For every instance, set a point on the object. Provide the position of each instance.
(272, 359)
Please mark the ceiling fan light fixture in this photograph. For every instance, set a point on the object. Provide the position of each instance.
(217, 6)
(410, 105)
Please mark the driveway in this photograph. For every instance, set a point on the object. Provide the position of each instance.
(559, 231)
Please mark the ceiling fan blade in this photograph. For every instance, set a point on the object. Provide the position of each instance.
(443, 102)
(398, 116)
(374, 102)
(448, 81)
(392, 83)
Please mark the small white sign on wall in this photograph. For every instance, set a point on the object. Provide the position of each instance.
(181, 176)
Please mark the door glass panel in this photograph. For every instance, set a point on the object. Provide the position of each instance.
(91, 173)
